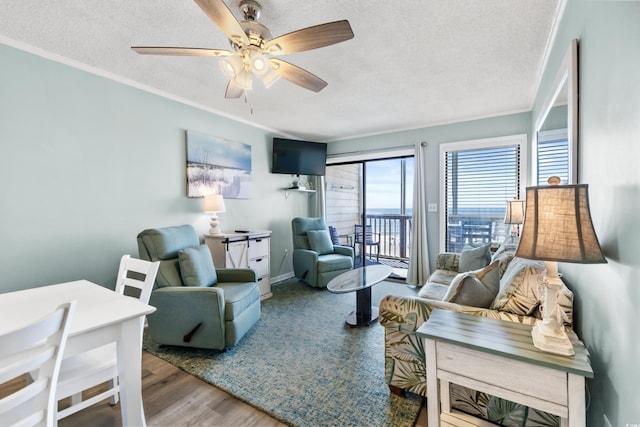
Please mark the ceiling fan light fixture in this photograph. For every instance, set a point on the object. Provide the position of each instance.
(259, 64)
(270, 78)
(244, 80)
(231, 65)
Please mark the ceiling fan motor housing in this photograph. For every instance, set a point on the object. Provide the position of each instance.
(251, 9)
(256, 32)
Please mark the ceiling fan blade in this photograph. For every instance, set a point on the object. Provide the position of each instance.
(233, 90)
(310, 38)
(297, 75)
(220, 14)
(180, 51)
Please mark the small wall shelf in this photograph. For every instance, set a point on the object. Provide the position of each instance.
(288, 191)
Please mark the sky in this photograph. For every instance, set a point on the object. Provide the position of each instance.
(218, 151)
(383, 183)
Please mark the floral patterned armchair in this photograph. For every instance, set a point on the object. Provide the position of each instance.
(517, 301)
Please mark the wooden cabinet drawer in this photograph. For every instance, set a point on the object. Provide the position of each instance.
(260, 265)
(259, 247)
(508, 374)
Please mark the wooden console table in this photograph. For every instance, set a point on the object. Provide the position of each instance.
(498, 357)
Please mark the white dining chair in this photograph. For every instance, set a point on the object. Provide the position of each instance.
(37, 349)
(86, 370)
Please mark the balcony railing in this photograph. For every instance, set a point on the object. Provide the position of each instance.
(473, 231)
(395, 234)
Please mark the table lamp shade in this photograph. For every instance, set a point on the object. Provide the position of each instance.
(214, 203)
(558, 226)
(515, 212)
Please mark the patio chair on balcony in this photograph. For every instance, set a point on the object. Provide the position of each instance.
(365, 236)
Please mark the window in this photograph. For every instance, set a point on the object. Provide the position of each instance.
(477, 179)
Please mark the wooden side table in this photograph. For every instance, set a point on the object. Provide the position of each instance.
(498, 357)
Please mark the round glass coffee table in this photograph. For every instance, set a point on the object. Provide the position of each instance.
(360, 280)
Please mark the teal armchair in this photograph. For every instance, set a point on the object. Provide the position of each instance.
(215, 314)
(316, 260)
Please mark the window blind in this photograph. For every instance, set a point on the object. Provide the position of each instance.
(553, 156)
(478, 182)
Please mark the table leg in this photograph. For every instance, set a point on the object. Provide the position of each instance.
(363, 305)
(577, 407)
(365, 313)
(445, 396)
(130, 373)
(433, 396)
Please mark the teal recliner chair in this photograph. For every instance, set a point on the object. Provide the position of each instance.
(197, 305)
(316, 260)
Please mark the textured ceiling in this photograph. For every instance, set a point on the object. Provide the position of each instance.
(411, 64)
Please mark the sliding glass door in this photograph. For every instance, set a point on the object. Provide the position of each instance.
(378, 196)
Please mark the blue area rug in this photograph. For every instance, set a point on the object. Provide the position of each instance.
(303, 365)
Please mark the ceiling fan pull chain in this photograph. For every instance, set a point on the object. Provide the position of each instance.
(246, 101)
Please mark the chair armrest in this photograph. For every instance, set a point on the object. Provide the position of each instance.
(448, 261)
(306, 255)
(343, 250)
(404, 314)
(305, 264)
(186, 295)
(181, 307)
(188, 312)
(226, 275)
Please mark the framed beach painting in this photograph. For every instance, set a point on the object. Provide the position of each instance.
(218, 166)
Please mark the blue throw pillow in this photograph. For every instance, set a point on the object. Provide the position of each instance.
(196, 266)
(319, 241)
(475, 258)
(333, 234)
(475, 288)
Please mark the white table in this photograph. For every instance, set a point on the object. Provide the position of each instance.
(498, 357)
(360, 281)
(102, 316)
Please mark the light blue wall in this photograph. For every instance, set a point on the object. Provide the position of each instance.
(86, 163)
(608, 295)
(434, 136)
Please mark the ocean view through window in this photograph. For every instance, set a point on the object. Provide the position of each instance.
(477, 179)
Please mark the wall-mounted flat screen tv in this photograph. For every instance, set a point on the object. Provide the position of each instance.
(295, 157)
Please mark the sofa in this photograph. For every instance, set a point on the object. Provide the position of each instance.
(506, 288)
(196, 304)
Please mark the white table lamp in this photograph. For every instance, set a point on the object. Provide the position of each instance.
(514, 216)
(214, 203)
(557, 228)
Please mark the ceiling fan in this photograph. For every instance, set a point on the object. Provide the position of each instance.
(254, 48)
